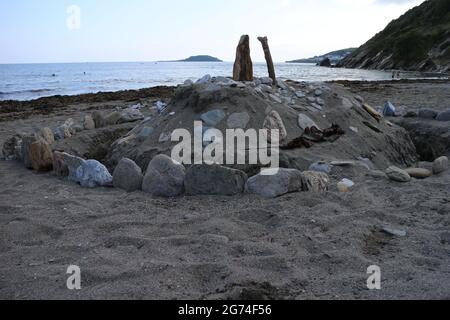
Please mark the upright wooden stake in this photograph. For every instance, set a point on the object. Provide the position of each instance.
(268, 56)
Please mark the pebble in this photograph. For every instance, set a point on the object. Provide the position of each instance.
(440, 165)
(397, 174)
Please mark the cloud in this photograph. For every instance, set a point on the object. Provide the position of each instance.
(394, 1)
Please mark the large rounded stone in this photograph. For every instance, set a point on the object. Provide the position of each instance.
(131, 115)
(113, 118)
(214, 180)
(213, 118)
(238, 120)
(440, 165)
(88, 123)
(12, 148)
(41, 156)
(60, 169)
(443, 116)
(427, 114)
(46, 134)
(27, 141)
(164, 177)
(127, 176)
(419, 173)
(397, 174)
(72, 163)
(92, 174)
(99, 119)
(277, 183)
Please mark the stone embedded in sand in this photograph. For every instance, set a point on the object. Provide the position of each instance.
(345, 185)
(315, 181)
(305, 122)
(419, 173)
(394, 232)
(164, 177)
(397, 174)
(127, 176)
(277, 183)
(377, 174)
(321, 167)
(214, 180)
(41, 156)
(130, 115)
(318, 92)
(273, 122)
(27, 141)
(427, 114)
(46, 134)
(72, 163)
(243, 66)
(213, 117)
(204, 80)
(92, 174)
(144, 133)
(62, 132)
(443, 116)
(238, 120)
(88, 123)
(440, 165)
(12, 148)
(113, 118)
(60, 168)
(99, 119)
(389, 109)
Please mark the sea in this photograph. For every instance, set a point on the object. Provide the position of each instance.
(32, 81)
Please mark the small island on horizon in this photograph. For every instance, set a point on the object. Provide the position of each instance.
(199, 58)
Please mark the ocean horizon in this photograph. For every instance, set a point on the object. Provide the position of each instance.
(35, 80)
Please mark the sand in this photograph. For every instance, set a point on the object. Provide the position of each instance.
(299, 246)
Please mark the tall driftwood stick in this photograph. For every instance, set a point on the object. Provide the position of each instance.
(243, 66)
(268, 56)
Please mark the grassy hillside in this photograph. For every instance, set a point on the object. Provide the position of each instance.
(418, 40)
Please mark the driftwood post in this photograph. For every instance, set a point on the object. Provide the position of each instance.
(243, 66)
(268, 56)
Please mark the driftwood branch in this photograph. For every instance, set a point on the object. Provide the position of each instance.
(268, 56)
(243, 66)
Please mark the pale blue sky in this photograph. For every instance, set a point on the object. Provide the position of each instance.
(148, 30)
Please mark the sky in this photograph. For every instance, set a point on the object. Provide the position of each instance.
(49, 31)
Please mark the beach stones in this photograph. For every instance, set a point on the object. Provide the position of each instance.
(273, 122)
(345, 185)
(398, 175)
(419, 173)
(321, 167)
(443, 116)
(92, 174)
(377, 174)
(62, 132)
(214, 180)
(315, 181)
(72, 163)
(41, 156)
(275, 183)
(88, 123)
(427, 114)
(164, 177)
(204, 80)
(389, 109)
(144, 133)
(213, 118)
(12, 148)
(127, 176)
(27, 141)
(46, 134)
(130, 115)
(243, 65)
(99, 119)
(440, 165)
(113, 118)
(238, 120)
(60, 168)
(305, 122)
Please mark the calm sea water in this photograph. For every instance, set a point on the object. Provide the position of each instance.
(31, 81)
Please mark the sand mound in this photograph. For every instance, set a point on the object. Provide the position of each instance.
(347, 130)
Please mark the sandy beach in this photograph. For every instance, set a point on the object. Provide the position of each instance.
(299, 246)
